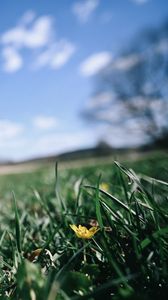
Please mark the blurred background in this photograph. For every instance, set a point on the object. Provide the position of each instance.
(82, 74)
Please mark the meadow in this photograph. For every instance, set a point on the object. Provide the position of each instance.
(117, 247)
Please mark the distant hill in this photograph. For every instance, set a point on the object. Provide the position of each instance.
(98, 151)
(102, 149)
(5, 162)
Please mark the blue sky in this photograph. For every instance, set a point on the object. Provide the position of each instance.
(50, 53)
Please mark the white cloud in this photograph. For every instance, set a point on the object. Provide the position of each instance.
(25, 35)
(34, 36)
(124, 136)
(34, 33)
(113, 114)
(56, 55)
(126, 63)
(28, 17)
(62, 142)
(95, 63)
(12, 60)
(45, 122)
(84, 9)
(47, 144)
(162, 46)
(9, 129)
(99, 100)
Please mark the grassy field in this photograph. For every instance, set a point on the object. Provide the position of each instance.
(121, 250)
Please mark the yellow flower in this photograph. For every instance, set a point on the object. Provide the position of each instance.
(104, 186)
(84, 233)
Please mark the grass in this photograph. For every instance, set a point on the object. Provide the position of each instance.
(42, 258)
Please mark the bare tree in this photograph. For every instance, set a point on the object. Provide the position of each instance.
(132, 92)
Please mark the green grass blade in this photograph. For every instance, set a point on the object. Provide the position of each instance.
(17, 225)
(120, 203)
(98, 206)
(62, 272)
(57, 193)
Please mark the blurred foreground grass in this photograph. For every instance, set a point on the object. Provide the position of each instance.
(42, 258)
